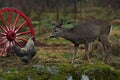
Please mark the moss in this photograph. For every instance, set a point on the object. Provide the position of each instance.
(98, 71)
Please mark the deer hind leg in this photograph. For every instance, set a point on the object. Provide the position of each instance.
(107, 52)
(106, 46)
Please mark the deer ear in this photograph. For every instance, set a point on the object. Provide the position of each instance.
(62, 21)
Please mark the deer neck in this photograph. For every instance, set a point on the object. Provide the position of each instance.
(67, 34)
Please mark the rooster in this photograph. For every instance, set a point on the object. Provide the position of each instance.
(26, 53)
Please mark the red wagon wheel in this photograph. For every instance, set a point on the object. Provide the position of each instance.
(15, 28)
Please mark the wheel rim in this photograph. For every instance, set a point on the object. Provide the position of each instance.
(15, 28)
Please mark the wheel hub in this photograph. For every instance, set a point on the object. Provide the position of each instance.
(11, 35)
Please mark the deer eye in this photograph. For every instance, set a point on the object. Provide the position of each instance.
(56, 30)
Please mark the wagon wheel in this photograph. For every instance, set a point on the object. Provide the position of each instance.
(15, 28)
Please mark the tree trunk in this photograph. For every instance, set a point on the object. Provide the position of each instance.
(75, 9)
(57, 10)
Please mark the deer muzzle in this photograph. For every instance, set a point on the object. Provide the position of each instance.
(52, 36)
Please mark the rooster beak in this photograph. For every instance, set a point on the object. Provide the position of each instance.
(33, 38)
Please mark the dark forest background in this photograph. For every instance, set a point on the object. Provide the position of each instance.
(43, 13)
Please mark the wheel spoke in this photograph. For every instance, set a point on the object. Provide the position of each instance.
(2, 37)
(3, 42)
(22, 33)
(20, 26)
(18, 43)
(13, 43)
(10, 48)
(16, 20)
(4, 22)
(23, 39)
(3, 29)
(3, 50)
(2, 33)
(9, 18)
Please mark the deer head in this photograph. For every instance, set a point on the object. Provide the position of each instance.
(58, 29)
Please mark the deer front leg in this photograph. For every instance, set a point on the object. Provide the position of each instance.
(74, 52)
(87, 52)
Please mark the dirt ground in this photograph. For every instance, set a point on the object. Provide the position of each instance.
(13, 61)
(54, 53)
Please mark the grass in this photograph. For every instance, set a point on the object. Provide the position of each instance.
(52, 62)
(98, 71)
(57, 41)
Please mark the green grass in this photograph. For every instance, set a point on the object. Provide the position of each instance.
(98, 71)
(57, 41)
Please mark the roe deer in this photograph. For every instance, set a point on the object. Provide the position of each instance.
(84, 33)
